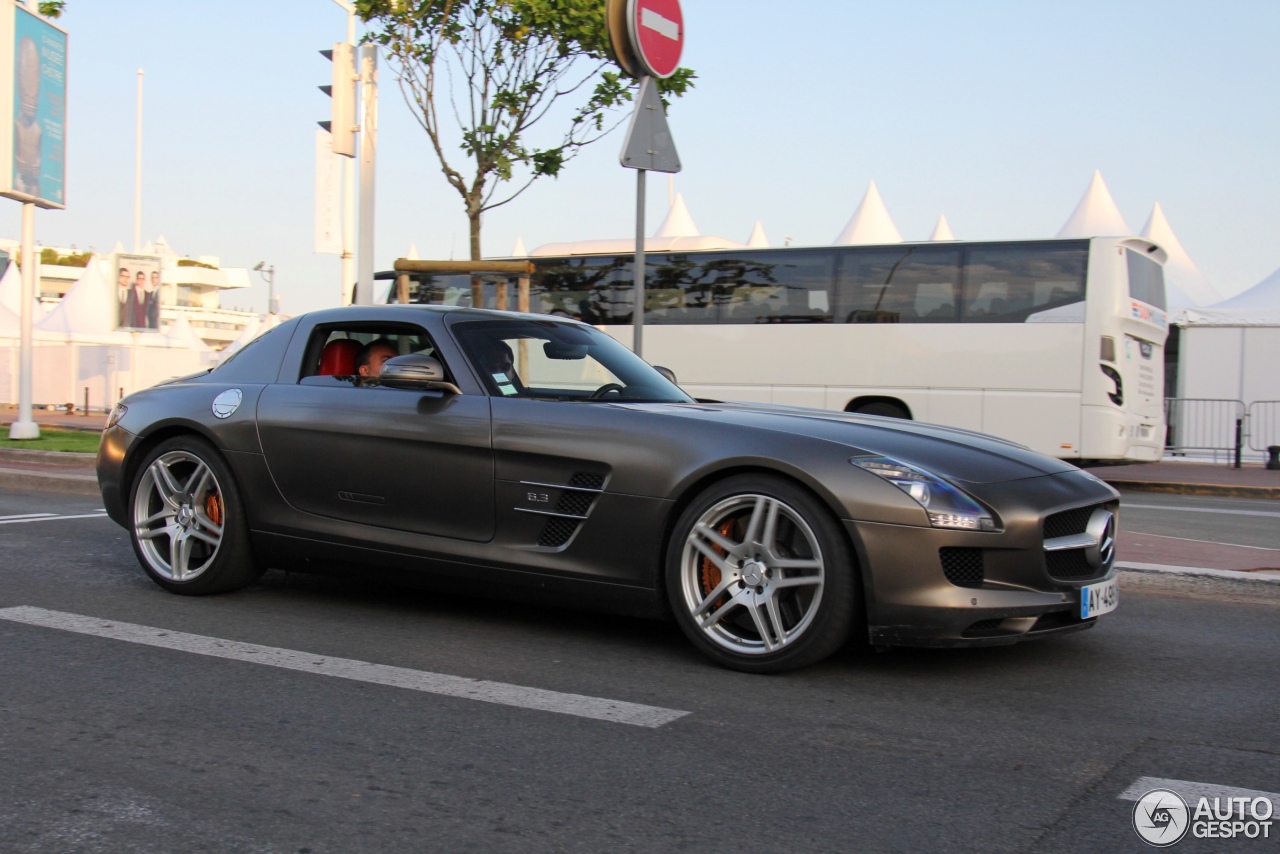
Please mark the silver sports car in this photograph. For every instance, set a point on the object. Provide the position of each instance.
(533, 457)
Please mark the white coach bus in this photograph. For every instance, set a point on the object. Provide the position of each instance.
(1055, 344)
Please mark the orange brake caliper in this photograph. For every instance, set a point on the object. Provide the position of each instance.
(213, 508)
(710, 574)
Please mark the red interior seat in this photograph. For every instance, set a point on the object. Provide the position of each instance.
(339, 357)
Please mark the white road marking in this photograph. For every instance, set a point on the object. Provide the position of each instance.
(27, 516)
(659, 24)
(1126, 505)
(1192, 792)
(49, 517)
(598, 708)
(1207, 542)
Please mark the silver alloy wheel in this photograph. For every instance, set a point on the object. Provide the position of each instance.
(178, 516)
(752, 574)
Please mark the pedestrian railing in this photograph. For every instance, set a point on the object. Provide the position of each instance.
(1202, 424)
(1262, 424)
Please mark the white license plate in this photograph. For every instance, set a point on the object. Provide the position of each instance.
(1097, 599)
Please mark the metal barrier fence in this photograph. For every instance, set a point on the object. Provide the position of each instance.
(1201, 424)
(1262, 424)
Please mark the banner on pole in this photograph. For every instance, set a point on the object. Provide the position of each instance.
(328, 196)
(33, 107)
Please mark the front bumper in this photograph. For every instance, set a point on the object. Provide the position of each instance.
(915, 599)
(112, 454)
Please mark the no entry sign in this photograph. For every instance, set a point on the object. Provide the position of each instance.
(656, 30)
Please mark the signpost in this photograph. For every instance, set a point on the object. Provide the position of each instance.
(647, 38)
(33, 110)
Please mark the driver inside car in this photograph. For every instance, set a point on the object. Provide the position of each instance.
(500, 364)
(373, 356)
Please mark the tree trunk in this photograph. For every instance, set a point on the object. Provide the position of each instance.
(477, 285)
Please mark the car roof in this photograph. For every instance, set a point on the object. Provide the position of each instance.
(388, 310)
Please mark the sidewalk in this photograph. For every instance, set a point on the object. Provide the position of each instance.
(1252, 480)
(94, 421)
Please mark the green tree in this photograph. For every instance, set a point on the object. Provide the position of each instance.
(52, 8)
(501, 67)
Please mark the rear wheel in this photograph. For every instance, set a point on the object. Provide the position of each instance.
(759, 577)
(186, 520)
(881, 407)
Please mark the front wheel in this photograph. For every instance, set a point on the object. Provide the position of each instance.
(186, 520)
(759, 576)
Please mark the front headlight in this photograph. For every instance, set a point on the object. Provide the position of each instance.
(117, 412)
(947, 506)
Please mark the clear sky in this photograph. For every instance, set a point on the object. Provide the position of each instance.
(994, 113)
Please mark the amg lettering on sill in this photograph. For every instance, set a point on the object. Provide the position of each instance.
(1162, 818)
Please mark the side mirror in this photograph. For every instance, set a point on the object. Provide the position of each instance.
(668, 373)
(416, 372)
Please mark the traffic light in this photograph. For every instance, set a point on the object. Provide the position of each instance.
(342, 124)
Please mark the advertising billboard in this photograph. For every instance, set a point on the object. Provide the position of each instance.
(33, 107)
(138, 292)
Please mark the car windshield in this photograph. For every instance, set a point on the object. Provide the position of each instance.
(551, 360)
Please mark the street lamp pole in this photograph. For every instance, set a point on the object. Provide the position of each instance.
(348, 189)
(269, 273)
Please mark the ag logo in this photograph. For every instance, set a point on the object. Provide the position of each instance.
(227, 403)
(1161, 818)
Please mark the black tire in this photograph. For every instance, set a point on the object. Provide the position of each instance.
(185, 495)
(723, 605)
(882, 407)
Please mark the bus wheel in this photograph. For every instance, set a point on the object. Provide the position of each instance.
(881, 407)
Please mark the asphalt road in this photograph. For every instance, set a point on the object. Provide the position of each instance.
(112, 745)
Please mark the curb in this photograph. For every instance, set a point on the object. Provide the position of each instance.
(61, 459)
(1194, 581)
(1221, 490)
(49, 481)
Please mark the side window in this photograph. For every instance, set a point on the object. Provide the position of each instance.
(1007, 284)
(353, 355)
(908, 285)
(581, 288)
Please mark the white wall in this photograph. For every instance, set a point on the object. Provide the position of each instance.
(61, 372)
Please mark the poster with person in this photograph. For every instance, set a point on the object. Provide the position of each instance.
(138, 291)
(33, 109)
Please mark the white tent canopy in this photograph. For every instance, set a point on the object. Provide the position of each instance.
(942, 231)
(1257, 306)
(870, 223)
(758, 240)
(90, 307)
(11, 292)
(1185, 284)
(1096, 215)
(182, 335)
(678, 223)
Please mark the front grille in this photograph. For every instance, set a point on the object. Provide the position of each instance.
(1068, 522)
(1071, 565)
(575, 503)
(557, 532)
(962, 566)
(587, 481)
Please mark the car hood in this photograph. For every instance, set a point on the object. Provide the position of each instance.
(960, 455)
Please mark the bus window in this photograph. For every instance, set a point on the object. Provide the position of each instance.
(908, 285)
(1146, 279)
(581, 288)
(1007, 284)
(731, 287)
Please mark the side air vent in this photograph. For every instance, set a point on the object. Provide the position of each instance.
(962, 566)
(575, 503)
(572, 508)
(557, 532)
(587, 481)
